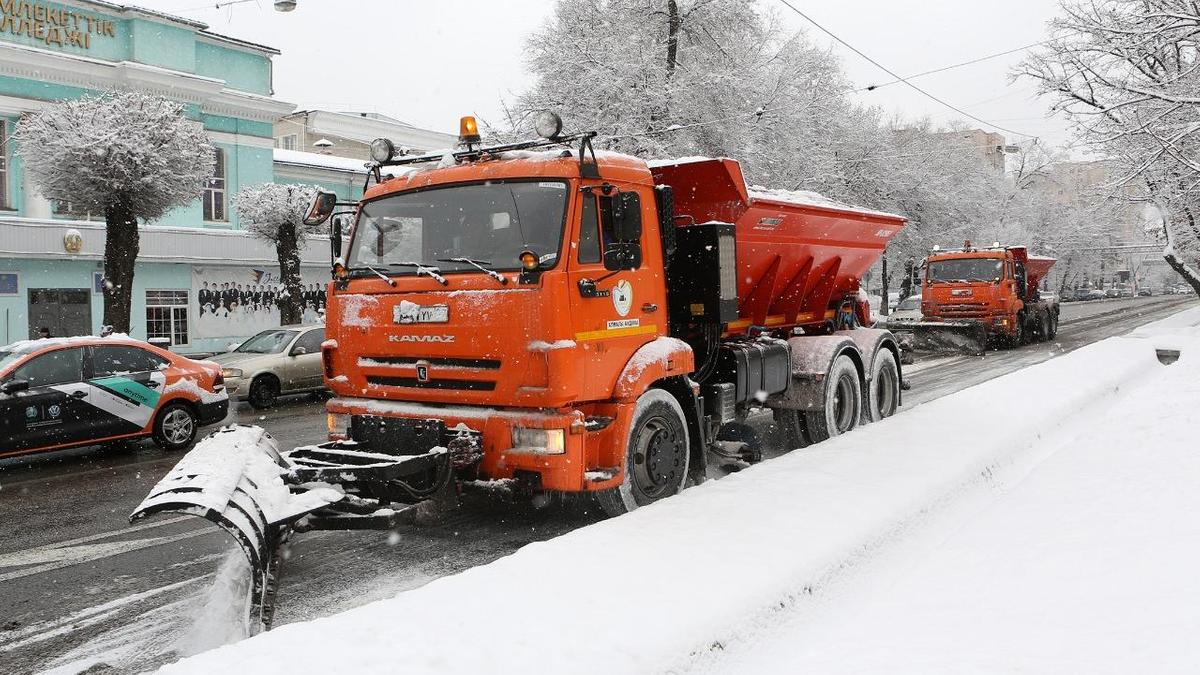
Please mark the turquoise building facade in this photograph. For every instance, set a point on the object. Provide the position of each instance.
(51, 255)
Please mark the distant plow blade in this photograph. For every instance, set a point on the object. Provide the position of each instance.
(965, 337)
(235, 479)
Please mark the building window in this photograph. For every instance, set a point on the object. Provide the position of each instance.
(287, 142)
(167, 316)
(214, 194)
(4, 165)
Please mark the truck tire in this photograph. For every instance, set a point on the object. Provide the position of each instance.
(1053, 326)
(843, 402)
(884, 396)
(656, 461)
(1044, 327)
(793, 428)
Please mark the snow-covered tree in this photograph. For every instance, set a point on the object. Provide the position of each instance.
(275, 213)
(1125, 73)
(130, 156)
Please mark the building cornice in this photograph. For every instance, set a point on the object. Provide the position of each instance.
(366, 129)
(210, 94)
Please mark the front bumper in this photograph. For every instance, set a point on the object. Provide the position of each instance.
(591, 457)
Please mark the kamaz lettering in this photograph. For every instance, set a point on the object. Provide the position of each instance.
(420, 338)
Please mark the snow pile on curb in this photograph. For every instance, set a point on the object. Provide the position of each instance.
(659, 588)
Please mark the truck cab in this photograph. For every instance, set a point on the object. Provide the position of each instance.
(993, 288)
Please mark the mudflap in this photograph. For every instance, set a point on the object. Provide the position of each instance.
(961, 337)
(238, 479)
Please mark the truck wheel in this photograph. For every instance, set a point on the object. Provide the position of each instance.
(1044, 327)
(174, 427)
(843, 402)
(656, 462)
(1018, 336)
(885, 386)
(793, 428)
(264, 392)
(1053, 327)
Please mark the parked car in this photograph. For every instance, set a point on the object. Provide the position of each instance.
(1089, 294)
(69, 392)
(907, 311)
(1145, 292)
(274, 363)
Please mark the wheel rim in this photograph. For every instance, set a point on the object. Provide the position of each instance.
(265, 393)
(885, 392)
(177, 426)
(657, 459)
(844, 409)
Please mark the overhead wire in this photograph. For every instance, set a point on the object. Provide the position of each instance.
(906, 81)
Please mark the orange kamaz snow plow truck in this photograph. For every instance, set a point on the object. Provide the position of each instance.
(972, 298)
(542, 317)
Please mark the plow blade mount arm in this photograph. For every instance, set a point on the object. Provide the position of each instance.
(961, 337)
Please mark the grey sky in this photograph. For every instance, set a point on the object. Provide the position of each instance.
(430, 62)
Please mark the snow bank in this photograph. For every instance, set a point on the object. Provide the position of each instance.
(1081, 557)
(661, 588)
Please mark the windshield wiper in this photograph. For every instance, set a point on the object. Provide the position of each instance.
(381, 275)
(423, 269)
(479, 265)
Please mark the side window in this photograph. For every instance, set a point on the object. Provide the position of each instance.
(60, 366)
(311, 341)
(589, 235)
(606, 219)
(122, 359)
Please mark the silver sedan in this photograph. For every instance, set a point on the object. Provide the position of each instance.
(273, 363)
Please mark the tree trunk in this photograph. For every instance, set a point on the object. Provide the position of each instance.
(120, 255)
(673, 23)
(291, 305)
(1172, 256)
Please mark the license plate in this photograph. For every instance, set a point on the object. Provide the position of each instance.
(411, 312)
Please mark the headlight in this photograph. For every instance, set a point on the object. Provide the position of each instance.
(338, 425)
(540, 441)
(231, 372)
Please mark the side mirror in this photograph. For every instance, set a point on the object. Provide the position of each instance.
(335, 238)
(320, 208)
(625, 255)
(627, 217)
(13, 386)
(299, 351)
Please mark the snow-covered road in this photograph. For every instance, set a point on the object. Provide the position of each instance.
(1039, 522)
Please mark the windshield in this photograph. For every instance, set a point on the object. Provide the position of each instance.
(966, 269)
(9, 357)
(490, 223)
(267, 342)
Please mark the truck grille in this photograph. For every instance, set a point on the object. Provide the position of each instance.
(464, 385)
(964, 310)
(454, 362)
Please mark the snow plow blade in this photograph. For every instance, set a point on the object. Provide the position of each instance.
(238, 479)
(963, 337)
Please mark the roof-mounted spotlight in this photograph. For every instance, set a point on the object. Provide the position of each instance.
(382, 150)
(548, 125)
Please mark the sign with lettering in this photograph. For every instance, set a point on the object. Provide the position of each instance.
(53, 26)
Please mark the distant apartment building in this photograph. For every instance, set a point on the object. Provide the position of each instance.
(349, 134)
(989, 145)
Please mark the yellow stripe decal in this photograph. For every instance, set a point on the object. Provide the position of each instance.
(615, 333)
